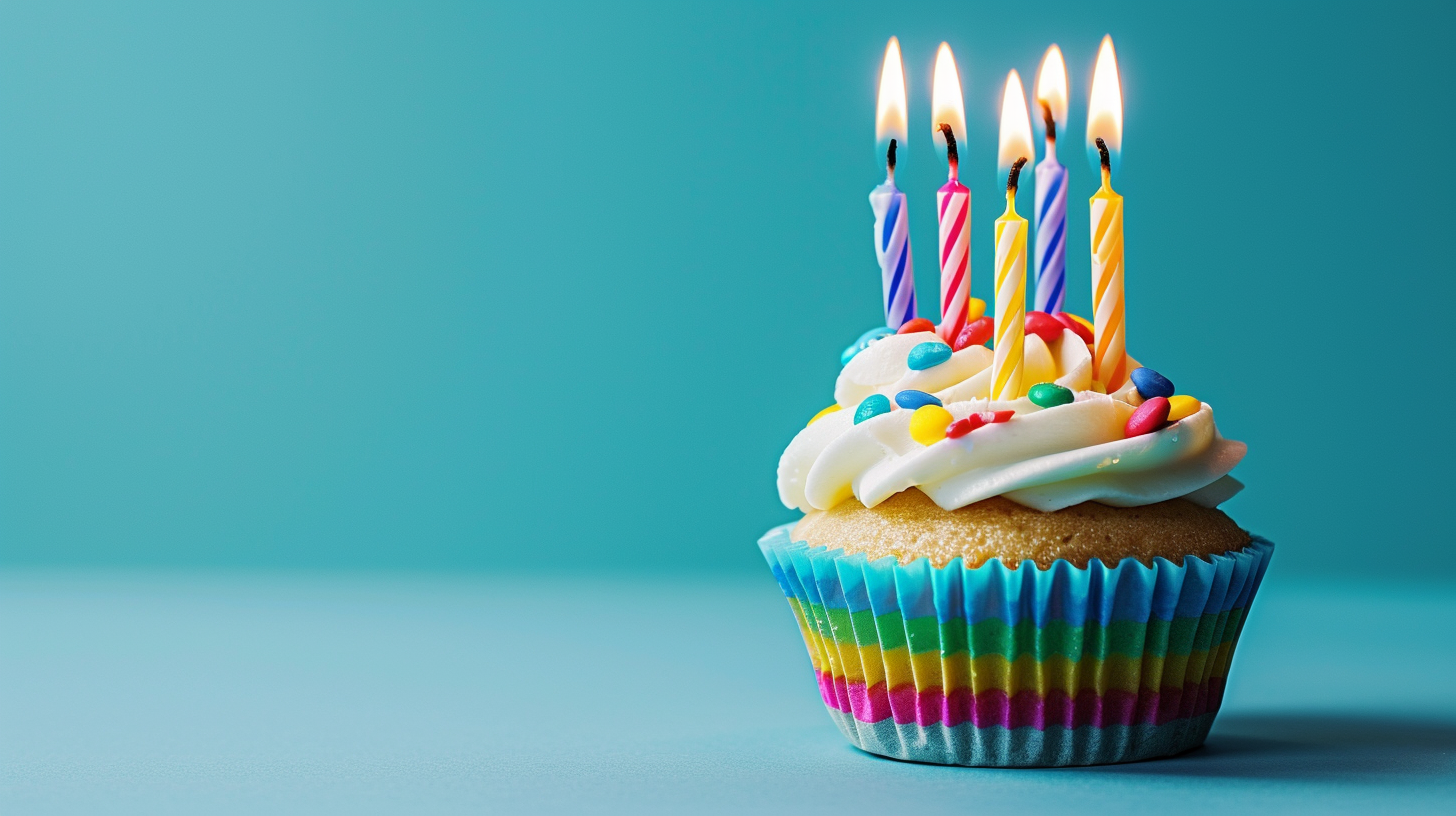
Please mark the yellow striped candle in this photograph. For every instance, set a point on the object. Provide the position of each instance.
(1109, 348)
(1006, 360)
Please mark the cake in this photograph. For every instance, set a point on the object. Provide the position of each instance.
(1037, 581)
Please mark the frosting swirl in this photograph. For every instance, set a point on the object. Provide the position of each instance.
(1044, 458)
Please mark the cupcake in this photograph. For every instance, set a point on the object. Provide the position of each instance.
(1039, 581)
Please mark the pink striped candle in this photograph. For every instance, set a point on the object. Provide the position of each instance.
(953, 202)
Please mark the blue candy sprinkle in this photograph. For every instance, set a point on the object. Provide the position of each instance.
(927, 355)
(863, 343)
(910, 399)
(1151, 384)
(873, 406)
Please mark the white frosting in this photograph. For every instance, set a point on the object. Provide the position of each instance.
(1045, 458)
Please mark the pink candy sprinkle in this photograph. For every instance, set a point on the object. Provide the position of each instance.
(1149, 417)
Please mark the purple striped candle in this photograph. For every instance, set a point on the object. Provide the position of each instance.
(892, 247)
(1051, 228)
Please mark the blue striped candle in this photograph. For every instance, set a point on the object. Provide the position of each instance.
(1051, 229)
(892, 247)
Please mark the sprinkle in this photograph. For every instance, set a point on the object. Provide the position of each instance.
(962, 427)
(873, 406)
(1182, 407)
(1149, 417)
(914, 399)
(918, 324)
(1150, 383)
(975, 307)
(1045, 326)
(928, 423)
(1050, 395)
(863, 343)
(1076, 324)
(927, 355)
(976, 333)
(827, 411)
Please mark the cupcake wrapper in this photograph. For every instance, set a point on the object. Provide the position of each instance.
(995, 666)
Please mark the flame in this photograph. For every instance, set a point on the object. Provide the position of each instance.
(946, 101)
(1051, 86)
(890, 118)
(1104, 108)
(1015, 125)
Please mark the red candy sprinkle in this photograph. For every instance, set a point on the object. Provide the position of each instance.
(918, 324)
(976, 333)
(960, 428)
(1044, 326)
(1149, 417)
(1067, 320)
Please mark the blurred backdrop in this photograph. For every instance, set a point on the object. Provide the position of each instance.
(492, 286)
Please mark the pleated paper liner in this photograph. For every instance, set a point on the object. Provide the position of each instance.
(1018, 667)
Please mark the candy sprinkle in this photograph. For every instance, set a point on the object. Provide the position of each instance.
(1050, 395)
(960, 428)
(827, 411)
(873, 406)
(1182, 407)
(1076, 324)
(1150, 383)
(1043, 325)
(912, 399)
(1149, 417)
(863, 343)
(918, 324)
(976, 333)
(928, 423)
(927, 355)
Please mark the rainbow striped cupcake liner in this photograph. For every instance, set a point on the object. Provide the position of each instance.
(1018, 667)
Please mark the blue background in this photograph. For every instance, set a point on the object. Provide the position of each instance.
(470, 286)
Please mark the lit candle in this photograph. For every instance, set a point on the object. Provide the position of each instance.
(953, 201)
(892, 219)
(1006, 361)
(1104, 129)
(1008, 348)
(1051, 188)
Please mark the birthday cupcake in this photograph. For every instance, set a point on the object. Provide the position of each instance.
(1015, 557)
(1043, 580)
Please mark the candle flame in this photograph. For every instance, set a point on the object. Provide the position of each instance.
(947, 104)
(890, 118)
(1104, 107)
(1051, 86)
(1015, 124)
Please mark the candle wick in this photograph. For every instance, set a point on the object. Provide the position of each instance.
(1106, 163)
(1051, 122)
(1014, 177)
(890, 159)
(950, 148)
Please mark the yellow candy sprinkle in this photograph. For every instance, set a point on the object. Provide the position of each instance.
(975, 309)
(831, 409)
(928, 424)
(1182, 407)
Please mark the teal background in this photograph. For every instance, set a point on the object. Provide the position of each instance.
(470, 286)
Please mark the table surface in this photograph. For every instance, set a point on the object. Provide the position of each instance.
(224, 693)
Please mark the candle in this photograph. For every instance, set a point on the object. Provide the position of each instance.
(892, 219)
(953, 200)
(1006, 361)
(1104, 129)
(1051, 188)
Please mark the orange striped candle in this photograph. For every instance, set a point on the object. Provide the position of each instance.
(1109, 348)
